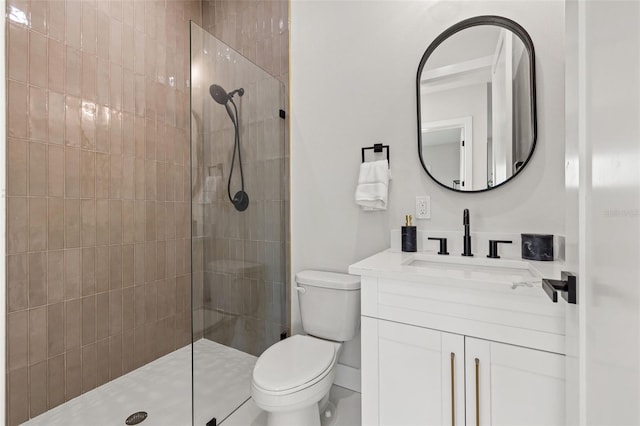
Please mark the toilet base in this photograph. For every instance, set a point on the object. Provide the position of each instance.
(306, 416)
(324, 402)
(329, 415)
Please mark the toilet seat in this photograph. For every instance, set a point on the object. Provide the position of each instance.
(294, 364)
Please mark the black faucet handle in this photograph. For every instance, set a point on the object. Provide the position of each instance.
(493, 248)
(443, 244)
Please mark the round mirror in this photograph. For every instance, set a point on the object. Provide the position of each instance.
(477, 104)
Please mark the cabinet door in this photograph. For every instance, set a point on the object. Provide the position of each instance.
(414, 375)
(453, 377)
(513, 385)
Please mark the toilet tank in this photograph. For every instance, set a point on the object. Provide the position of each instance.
(329, 304)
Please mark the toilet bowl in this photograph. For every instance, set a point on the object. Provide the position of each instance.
(292, 379)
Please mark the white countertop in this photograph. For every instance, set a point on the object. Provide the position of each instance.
(396, 264)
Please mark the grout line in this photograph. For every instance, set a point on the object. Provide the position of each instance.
(233, 412)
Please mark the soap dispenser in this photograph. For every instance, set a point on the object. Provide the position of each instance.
(409, 239)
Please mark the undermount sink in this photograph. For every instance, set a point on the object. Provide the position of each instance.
(480, 268)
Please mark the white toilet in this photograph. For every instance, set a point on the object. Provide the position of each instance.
(291, 380)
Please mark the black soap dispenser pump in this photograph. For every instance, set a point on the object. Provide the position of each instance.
(409, 238)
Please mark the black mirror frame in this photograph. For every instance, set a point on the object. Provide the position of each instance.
(515, 28)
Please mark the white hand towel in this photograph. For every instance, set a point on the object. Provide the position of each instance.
(373, 185)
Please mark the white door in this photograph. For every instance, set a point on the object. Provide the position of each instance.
(477, 355)
(415, 375)
(448, 146)
(603, 211)
(513, 385)
(453, 376)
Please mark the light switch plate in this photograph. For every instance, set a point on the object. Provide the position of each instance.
(423, 207)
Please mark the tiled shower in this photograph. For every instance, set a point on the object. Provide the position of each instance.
(98, 201)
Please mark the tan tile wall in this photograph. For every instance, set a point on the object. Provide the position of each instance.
(98, 193)
(259, 30)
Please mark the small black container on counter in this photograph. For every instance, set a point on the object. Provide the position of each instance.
(409, 236)
(409, 240)
(537, 246)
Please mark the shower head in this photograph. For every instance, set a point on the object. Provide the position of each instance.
(221, 96)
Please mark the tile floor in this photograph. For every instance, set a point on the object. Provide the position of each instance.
(348, 411)
(163, 389)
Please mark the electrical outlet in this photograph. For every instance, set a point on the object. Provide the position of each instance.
(423, 207)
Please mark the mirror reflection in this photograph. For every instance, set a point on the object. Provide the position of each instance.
(476, 107)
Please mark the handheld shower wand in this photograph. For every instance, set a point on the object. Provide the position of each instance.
(240, 200)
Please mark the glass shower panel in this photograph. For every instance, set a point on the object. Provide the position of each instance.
(238, 257)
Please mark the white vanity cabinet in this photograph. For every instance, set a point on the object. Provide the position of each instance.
(421, 337)
(419, 376)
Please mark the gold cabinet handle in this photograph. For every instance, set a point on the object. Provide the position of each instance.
(477, 392)
(453, 401)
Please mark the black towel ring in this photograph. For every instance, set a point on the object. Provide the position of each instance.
(378, 147)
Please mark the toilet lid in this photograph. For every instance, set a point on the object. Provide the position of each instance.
(293, 362)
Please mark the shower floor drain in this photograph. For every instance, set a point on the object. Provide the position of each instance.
(136, 418)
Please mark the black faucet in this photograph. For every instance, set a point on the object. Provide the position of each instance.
(493, 248)
(467, 238)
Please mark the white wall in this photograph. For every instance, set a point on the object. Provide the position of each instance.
(353, 71)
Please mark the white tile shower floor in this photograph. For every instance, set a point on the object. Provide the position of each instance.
(162, 388)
